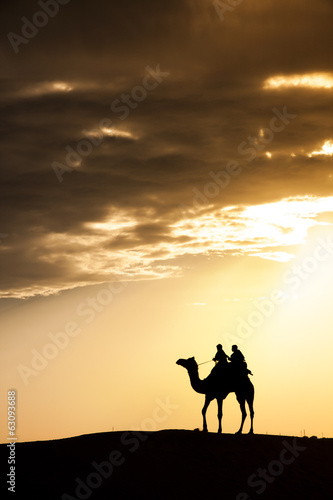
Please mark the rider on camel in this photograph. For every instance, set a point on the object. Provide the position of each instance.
(220, 355)
(238, 361)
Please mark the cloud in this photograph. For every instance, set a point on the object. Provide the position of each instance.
(117, 214)
(127, 248)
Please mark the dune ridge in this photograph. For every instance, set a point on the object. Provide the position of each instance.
(174, 464)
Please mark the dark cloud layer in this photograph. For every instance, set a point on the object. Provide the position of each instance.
(64, 81)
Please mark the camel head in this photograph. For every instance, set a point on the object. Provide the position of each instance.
(189, 364)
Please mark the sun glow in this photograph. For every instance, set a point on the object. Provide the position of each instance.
(326, 150)
(283, 223)
(311, 80)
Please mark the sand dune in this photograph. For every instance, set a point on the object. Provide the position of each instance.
(174, 464)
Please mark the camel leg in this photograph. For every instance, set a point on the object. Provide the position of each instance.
(219, 413)
(204, 410)
(250, 403)
(241, 402)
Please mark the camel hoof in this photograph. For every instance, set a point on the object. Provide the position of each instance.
(204, 430)
(238, 433)
(251, 432)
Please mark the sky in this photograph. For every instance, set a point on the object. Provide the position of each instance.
(166, 185)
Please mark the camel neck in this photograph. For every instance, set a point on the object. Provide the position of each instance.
(197, 384)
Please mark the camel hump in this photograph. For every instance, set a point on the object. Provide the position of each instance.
(221, 370)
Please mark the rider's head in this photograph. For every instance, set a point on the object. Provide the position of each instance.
(219, 346)
(234, 348)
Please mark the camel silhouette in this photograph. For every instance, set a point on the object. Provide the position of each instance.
(219, 383)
